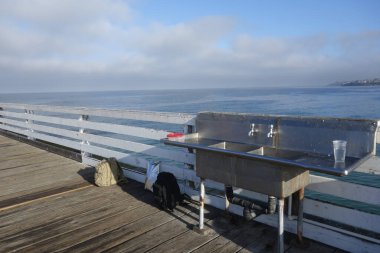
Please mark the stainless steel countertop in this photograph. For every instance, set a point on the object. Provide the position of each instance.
(305, 160)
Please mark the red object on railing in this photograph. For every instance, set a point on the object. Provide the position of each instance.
(174, 135)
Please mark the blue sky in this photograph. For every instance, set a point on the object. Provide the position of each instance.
(70, 45)
(272, 18)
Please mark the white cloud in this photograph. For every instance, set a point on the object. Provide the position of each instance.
(94, 43)
(64, 13)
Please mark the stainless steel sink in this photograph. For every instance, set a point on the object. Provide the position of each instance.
(273, 154)
(242, 165)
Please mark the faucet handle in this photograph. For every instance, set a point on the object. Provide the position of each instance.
(252, 130)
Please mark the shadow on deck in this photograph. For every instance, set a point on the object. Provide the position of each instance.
(48, 203)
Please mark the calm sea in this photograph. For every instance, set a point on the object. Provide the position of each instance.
(356, 102)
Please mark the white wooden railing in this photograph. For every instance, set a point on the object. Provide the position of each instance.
(100, 133)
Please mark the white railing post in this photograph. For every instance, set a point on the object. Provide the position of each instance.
(29, 123)
(83, 141)
(377, 138)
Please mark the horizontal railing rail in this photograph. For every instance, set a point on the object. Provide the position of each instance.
(118, 135)
(164, 117)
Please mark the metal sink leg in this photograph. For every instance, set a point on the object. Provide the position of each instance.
(201, 204)
(280, 238)
(227, 206)
(200, 228)
(301, 194)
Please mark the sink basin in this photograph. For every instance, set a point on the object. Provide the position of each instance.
(232, 146)
(240, 165)
(279, 153)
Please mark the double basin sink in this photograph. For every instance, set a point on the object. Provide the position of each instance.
(268, 170)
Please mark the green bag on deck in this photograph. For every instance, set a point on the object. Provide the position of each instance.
(108, 172)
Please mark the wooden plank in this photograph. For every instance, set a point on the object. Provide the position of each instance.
(7, 142)
(34, 166)
(187, 241)
(11, 152)
(48, 230)
(164, 117)
(152, 238)
(219, 242)
(6, 155)
(267, 243)
(28, 198)
(30, 159)
(54, 169)
(162, 237)
(25, 159)
(26, 217)
(63, 240)
(71, 200)
(141, 229)
(236, 238)
(29, 181)
(47, 187)
(313, 247)
(41, 212)
(24, 153)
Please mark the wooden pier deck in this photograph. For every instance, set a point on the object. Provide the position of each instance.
(49, 204)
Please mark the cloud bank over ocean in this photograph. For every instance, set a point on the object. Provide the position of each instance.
(102, 44)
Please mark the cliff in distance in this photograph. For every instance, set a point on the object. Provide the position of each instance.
(365, 82)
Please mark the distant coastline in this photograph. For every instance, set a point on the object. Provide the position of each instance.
(365, 82)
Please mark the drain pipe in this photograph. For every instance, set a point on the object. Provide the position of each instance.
(251, 209)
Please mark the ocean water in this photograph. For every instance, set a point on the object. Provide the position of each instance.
(353, 102)
(357, 102)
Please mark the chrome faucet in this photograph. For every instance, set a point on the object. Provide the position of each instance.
(252, 130)
(271, 132)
